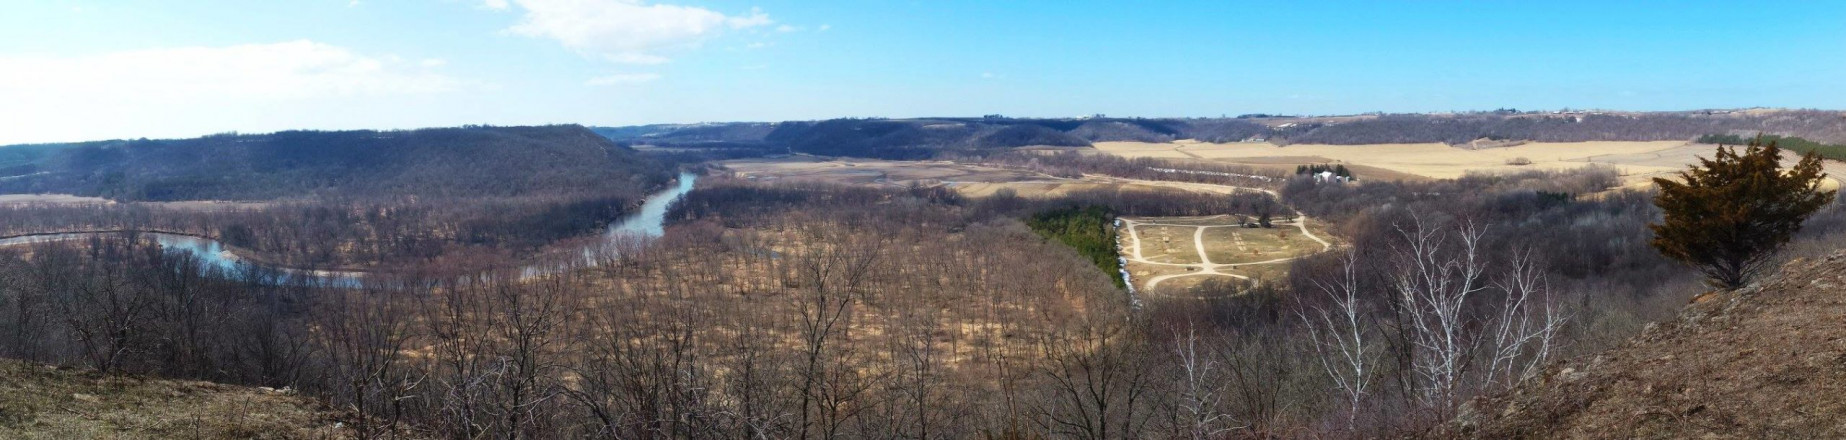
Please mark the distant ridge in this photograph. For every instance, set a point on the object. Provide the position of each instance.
(437, 162)
(924, 137)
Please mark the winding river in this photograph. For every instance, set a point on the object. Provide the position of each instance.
(648, 223)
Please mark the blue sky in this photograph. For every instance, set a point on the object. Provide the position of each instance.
(78, 69)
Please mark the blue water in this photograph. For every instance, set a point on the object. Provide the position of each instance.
(648, 223)
(651, 221)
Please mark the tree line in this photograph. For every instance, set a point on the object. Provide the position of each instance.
(345, 233)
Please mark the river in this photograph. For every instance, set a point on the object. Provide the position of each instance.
(648, 223)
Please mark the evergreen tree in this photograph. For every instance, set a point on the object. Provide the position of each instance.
(1735, 210)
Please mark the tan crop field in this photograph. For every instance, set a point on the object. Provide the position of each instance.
(870, 171)
(50, 199)
(1638, 162)
(969, 180)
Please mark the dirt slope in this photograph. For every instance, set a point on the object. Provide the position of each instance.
(40, 402)
(1767, 361)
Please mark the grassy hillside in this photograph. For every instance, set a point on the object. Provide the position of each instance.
(1765, 361)
(443, 162)
(41, 402)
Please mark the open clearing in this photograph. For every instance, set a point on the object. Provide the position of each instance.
(51, 199)
(1168, 256)
(12, 200)
(1638, 162)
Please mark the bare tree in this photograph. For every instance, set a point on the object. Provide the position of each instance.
(364, 335)
(1342, 339)
(1198, 383)
(1523, 332)
(106, 310)
(1434, 283)
(531, 323)
(831, 278)
(1097, 374)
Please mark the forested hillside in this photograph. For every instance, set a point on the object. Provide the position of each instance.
(441, 162)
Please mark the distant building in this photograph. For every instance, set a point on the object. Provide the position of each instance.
(1329, 177)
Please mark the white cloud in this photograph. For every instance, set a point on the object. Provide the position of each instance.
(622, 79)
(637, 58)
(825, 27)
(786, 28)
(289, 70)
(625, 31)
(80, 97)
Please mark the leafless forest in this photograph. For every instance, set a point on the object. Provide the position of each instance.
(824, 311)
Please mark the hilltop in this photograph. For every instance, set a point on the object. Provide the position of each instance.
(438, 162)
(44, 402)
(1767, 361)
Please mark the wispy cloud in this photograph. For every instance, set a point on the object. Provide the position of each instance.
(290, 70)
(625, 31)
(623, 79)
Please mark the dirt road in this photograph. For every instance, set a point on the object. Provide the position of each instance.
(1205, 267)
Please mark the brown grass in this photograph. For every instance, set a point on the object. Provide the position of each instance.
(42, 402)
(1761, 362)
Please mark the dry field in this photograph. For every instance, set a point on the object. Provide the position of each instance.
(969, 180)
(50, 199)
(16, 200)
(1638, 162)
